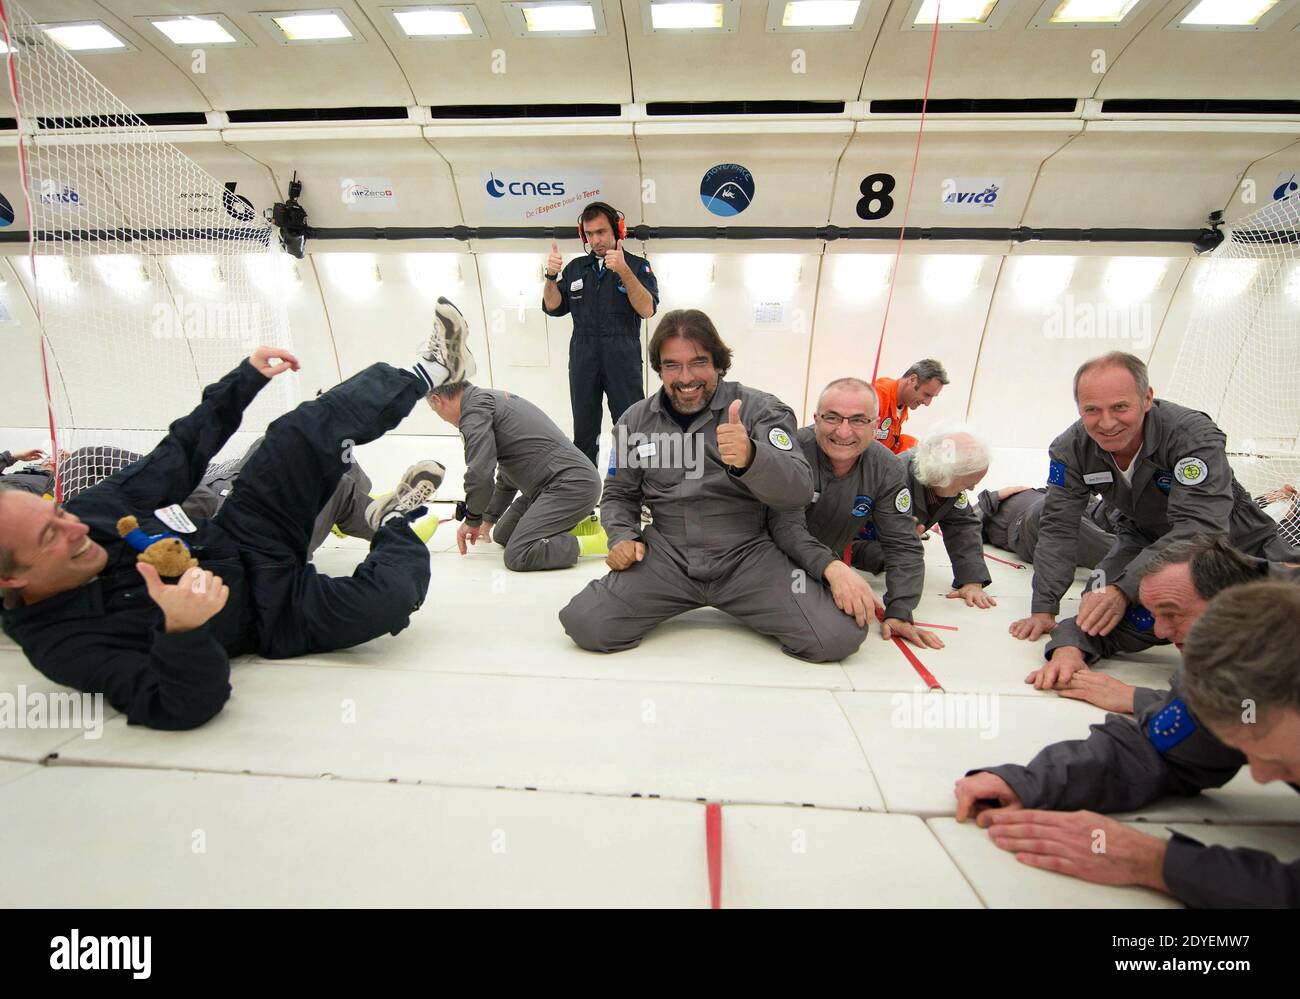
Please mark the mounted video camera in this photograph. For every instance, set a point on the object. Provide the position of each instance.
(291, 219)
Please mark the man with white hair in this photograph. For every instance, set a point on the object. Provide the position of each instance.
(1165, 468)
(856, 482)
(938, 472)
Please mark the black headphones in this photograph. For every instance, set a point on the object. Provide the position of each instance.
(616, 220)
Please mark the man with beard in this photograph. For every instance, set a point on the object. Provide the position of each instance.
(709, 458)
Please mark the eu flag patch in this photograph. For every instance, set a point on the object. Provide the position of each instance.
(1171, 726)
(1141, 618)
(868, 532)
(613, 462)
(1056, 474)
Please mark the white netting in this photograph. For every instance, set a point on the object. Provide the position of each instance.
(152, 279)
(1240, 359)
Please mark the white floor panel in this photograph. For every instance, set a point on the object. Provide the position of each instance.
(919, 744)
(673, 740)
(82, 837)
(10, 770)
(813, 857)
(481, 618)
(1004, 883)
(30, 736)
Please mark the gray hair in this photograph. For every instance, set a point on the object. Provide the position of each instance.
(853, 383)
(1214, 564)
(927, 370)
(1118, 359)
(1243, 649)
(948, 455)
(449, 390)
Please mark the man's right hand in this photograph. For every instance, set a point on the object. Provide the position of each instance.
(194, 600)
(31, 455)
(852, 594)
(974, 793)
(1065, 662)
(1101, 689)
(555, 262)
(1031, 627)
(625, 554)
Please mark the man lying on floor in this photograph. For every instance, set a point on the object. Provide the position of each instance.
(1009, 520)
(1236, 702)
(89, 616)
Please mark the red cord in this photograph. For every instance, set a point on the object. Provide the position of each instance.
(907, 207)
(713, 841)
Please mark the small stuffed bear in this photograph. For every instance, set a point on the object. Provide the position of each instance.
(165, 552)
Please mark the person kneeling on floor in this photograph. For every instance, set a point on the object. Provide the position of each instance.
(508, 437)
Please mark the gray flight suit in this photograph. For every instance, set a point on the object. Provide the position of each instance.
(864, 497)
(1182, 485)
(1129, 762)
(954, 515)
(708, 544)
(509, 438)
(1012, 524)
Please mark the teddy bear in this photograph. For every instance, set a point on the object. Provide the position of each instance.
(167, 553)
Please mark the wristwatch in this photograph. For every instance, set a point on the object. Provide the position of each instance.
(552, 277)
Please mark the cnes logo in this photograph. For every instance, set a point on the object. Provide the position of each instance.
(99, 953)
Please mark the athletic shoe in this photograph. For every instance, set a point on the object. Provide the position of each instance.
(418, 485)
(587, 526)
(445, 356)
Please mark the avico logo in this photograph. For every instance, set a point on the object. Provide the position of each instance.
(523, 188)
(1286, 185)
(6, 212)
(727, 189)
(237, 206)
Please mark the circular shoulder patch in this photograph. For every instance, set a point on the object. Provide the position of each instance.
(780, 439)
(862, 506)
(962, 502)
(903, 501)
(1191, 471)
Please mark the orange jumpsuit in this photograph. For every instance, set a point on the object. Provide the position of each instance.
(890, 432)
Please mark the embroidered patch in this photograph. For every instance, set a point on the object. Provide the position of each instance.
(613, 463)
(1056, 474)
(1171, 726)
(962, 502)
(1141, 618)
(1163, 480)
(903, 501)
(862, 506)
(1191, 471)
(780, 439)
(868, 532)
(575, 285)
(882, 432)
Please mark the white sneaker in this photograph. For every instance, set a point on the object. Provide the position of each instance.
(418, 485)
(448, 346)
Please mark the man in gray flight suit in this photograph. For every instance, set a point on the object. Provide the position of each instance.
(511, 440)
(1165, 469)
(709, 457)
(855, 481)
(938, 471)
(1009, 519)
(1193, 737)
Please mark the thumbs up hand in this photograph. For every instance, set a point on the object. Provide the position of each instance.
(734, 445)
(615, 260)
(555, 262)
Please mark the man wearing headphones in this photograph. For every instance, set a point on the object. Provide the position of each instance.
(608, 291)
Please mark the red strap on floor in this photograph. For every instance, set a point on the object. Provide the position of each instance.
(1014, 565)
(713, 839)
(941, 627)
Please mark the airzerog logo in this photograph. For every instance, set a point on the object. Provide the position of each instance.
(523, 188)
(77, 953)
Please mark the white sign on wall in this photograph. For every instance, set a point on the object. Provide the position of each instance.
(538, 197)
(368, 194)
(970, 194)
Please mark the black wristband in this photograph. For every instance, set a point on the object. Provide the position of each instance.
(552, 277)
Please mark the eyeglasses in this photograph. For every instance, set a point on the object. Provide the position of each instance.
(856, 422)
